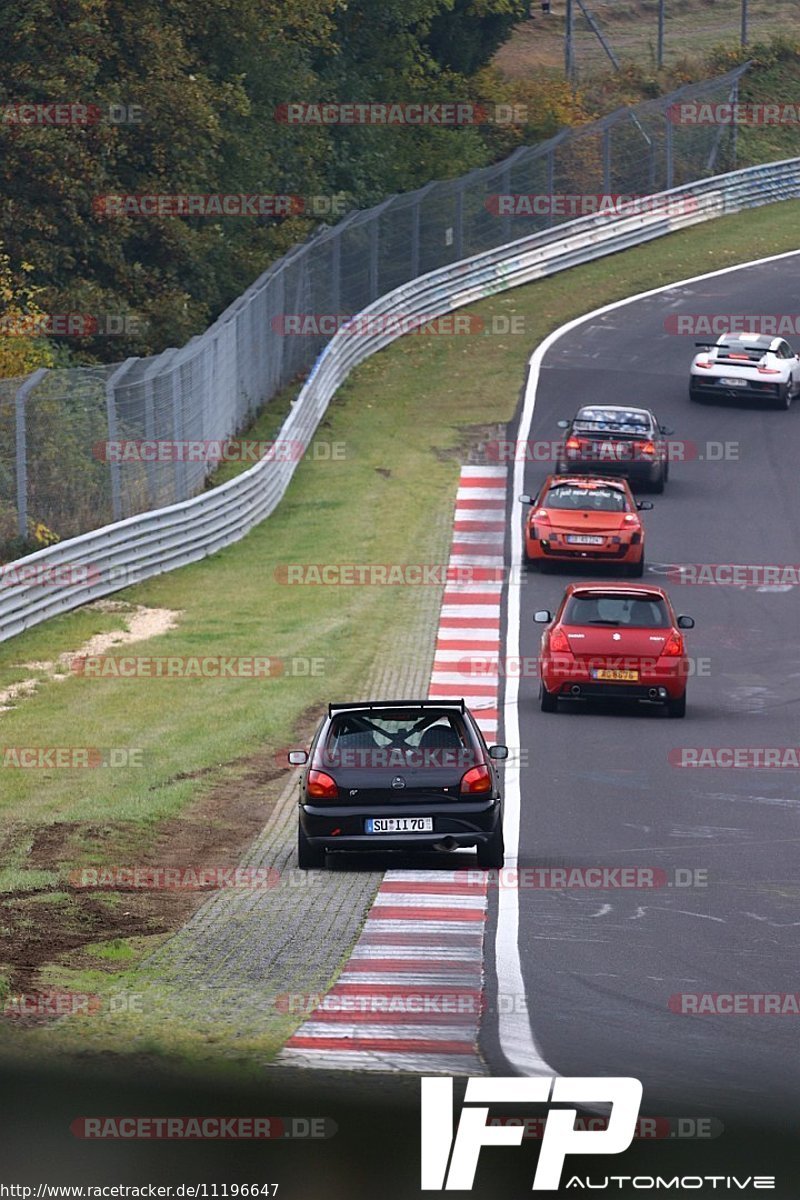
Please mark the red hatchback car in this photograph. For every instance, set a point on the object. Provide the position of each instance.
(614, 642)
(585, 519)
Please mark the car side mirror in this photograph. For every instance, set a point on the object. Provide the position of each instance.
(685, 622)
(298, 757)
(562, 424)
(525, 498)
(498, 752)
(542, 616)
(644, 505)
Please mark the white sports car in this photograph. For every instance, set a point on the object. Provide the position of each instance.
(752, 365)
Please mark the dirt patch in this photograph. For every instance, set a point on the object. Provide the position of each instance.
(476, 445)
(35, 931)
(143, 623)
(213, 832)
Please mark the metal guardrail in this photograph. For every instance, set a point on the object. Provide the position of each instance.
(95, 564)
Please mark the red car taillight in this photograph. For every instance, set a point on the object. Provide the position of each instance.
(321, 786)
(674, 646)
(559, 643)
(769, 370)
(704, 362)
(477, 779)
(572, 444)
(646, 447)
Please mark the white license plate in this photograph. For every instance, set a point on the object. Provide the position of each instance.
(733, 382)
(583, 539)
(399, 824)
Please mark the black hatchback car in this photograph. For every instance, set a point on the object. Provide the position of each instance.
(399, 775)
(615, 439)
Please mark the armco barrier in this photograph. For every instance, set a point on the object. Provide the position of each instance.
(107, 559)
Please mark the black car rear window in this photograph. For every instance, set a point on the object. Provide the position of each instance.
(633, 612)
(609, 420)
(398, 738)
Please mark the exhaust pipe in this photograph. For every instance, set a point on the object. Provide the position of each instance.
(448, 844)
(575, 690)
(653, 693)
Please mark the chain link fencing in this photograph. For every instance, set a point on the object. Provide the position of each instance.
(80, 448)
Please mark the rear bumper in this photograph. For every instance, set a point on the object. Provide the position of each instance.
(562, 676)
(652, 694)
(639, 471)
(340, 827)
(625, 553)
(703, 385)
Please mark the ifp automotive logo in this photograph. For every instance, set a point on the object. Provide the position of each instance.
(449, 1164)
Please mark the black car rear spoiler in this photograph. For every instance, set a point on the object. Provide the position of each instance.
(370, 704)
(614, 480)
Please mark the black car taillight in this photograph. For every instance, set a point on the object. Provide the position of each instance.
(477, 779)
(321, 786)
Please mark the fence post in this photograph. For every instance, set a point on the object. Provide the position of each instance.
(336, 274)
(458, 240)
(551, 175)
(177, 434)
(150, 417)
(22, 448)
(373, 258)
(113, 435)
(607, 160)
(668, 150)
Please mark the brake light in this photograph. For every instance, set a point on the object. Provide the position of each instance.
(321, 786)
(703, 362)
(572, 444)
(631, 519)
(541, 514)
(769, 370)
(674, 646)
(646, 447)
(742, 357)
(559, 642)
(477, 779)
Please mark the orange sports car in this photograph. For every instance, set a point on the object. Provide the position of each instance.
(584, 518)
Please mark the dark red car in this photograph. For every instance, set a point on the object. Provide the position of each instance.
(614, 642)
